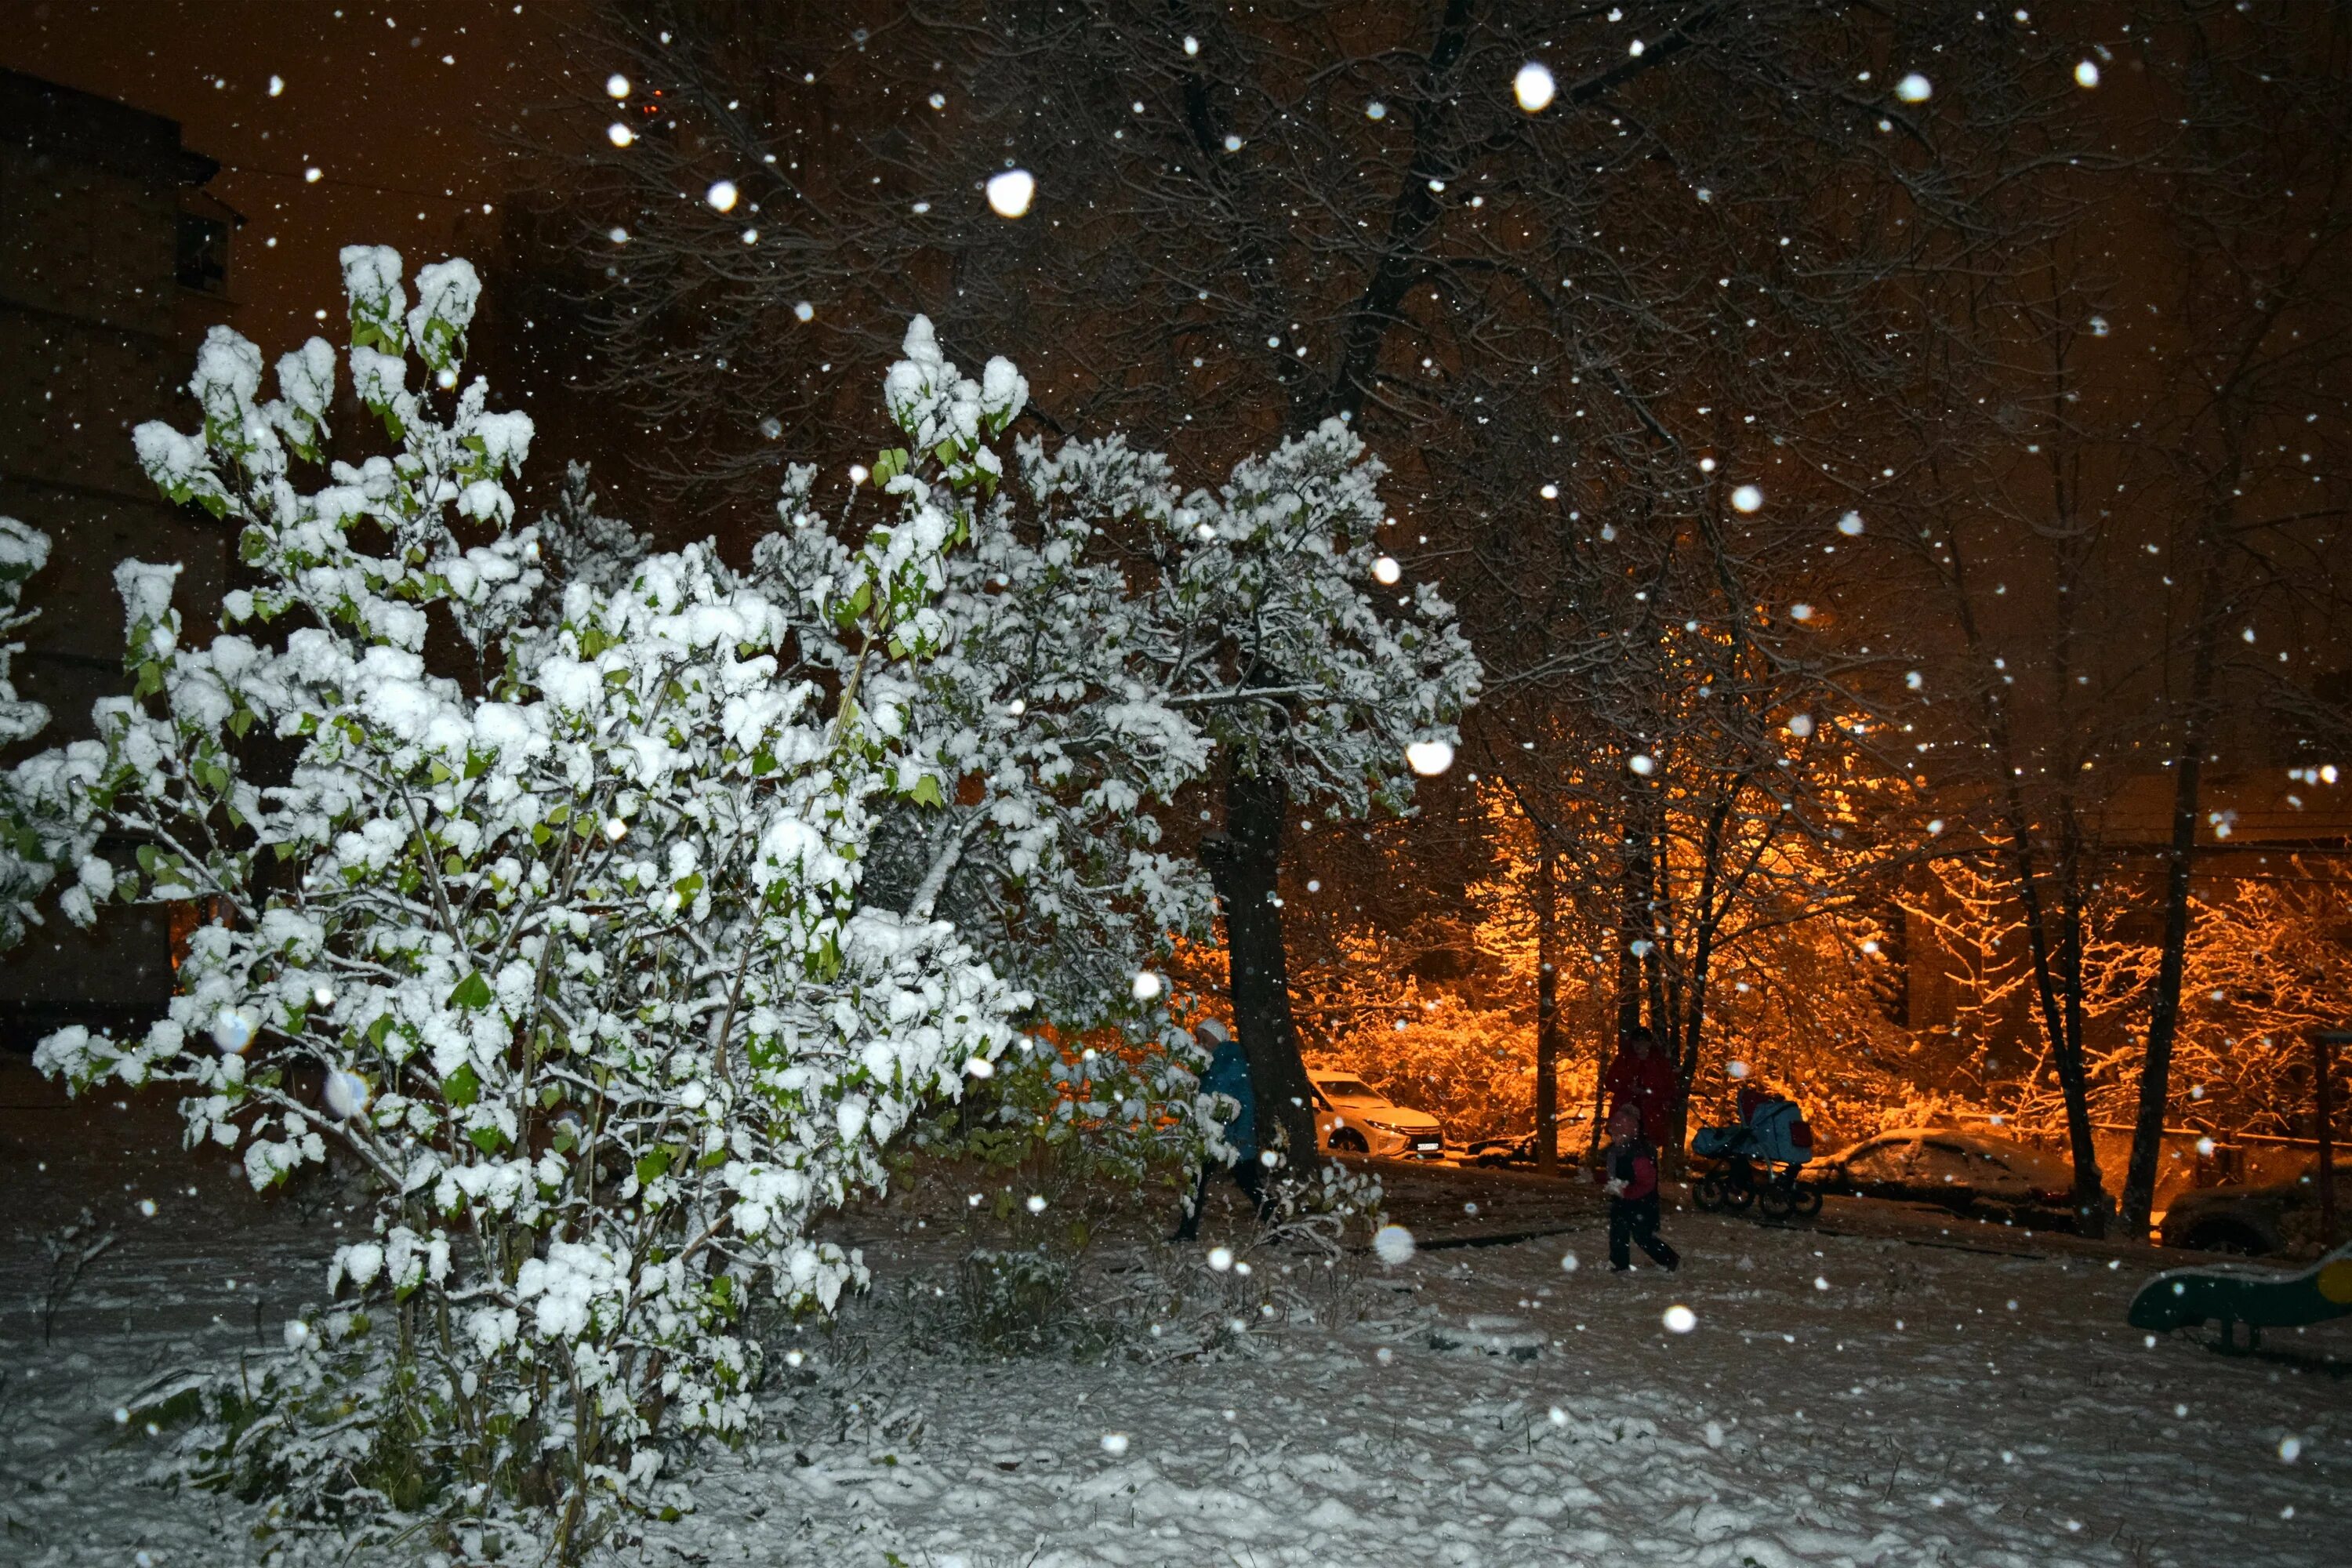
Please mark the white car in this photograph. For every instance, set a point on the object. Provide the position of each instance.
(1353, 1118)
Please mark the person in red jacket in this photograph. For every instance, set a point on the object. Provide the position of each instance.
(1642, 1077)
(1629, 1172)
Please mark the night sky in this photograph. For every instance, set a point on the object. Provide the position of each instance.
(386, 101)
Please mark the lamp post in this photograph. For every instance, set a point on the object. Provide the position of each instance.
(2323, 1042)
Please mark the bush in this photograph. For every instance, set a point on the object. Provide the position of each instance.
(577, 953)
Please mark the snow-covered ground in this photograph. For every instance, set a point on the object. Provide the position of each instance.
(1840, 1399)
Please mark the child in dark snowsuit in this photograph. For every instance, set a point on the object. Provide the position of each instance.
(1629, 1168)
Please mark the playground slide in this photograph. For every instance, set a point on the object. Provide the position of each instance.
(2234, 1293)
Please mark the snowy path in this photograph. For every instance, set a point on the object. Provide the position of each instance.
(1797, 1424)
(1842, 1399)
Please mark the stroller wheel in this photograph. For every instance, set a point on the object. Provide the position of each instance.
(1707, 1192)
(1738, 1196)
(1775, 1202)
(1808, 1202)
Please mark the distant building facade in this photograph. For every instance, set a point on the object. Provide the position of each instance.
(113, 260)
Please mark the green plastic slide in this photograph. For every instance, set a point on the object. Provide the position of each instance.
(2234, 1293)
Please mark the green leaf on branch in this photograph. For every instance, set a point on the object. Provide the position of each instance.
(473, 993)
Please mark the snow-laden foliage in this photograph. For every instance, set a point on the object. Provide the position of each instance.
(575, 966)
(581, 542)
(42, 829)
(1103, 636)
(615, 957)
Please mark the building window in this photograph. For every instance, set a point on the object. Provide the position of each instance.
(203, 262)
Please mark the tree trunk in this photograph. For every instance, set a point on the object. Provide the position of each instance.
(2164, 1007)
(1632, 906)
(1245, 866)
(1546, 1018)
(1633, 918)
(2091, 1204)
(1705, 921)
(2074, 1068)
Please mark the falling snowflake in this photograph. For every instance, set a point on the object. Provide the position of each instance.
(1428, 758)
(1392, 1244)
(1010, 192)
(1914, 89)
(347, 1094)
(1533, 87)
(1680, 1320)
(1746, 497)
(232, 1031)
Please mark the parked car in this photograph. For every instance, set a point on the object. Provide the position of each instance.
(1969, 1172)
(1353, 1118)
(2254, 1218)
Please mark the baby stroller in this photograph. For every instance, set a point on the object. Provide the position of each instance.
(1754, 1161)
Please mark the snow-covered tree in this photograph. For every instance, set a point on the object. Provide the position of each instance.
(575, 964)
(1112, 639)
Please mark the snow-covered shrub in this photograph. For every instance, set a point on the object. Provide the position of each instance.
(43, 830)
(574, 958)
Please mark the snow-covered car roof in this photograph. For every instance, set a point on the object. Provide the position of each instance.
(2036, 1164)
(1345, 1083)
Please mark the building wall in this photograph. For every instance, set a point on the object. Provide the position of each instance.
(98, 205)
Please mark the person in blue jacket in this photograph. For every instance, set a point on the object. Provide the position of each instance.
(1228, 1078)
